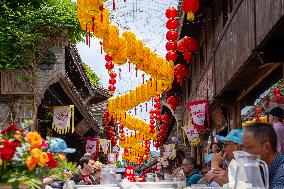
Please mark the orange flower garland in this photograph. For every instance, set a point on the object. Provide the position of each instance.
(94, 18)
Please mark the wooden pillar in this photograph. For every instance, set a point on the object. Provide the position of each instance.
(234, 116)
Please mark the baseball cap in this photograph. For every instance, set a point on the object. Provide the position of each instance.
(235, 136)
(277, 112)
(58, 145)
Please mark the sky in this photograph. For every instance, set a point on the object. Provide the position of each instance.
(146, 18)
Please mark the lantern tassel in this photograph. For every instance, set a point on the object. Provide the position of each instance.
(190, 16)
(89, 36)
(128, 66)
(93, 25)
(87, 39)
(113, 4)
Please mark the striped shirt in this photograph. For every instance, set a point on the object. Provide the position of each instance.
(276, 172)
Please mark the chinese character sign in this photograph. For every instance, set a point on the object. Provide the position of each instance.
(91, 146)
(199, 112)
(170, 151)
(62, 116)
(129, 173)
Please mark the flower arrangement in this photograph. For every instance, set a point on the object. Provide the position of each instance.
(24, 158)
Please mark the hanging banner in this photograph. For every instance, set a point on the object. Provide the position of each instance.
(91, 146)
(105, 145)
(170, 151)
(192, 135)
(62, 116)
(199, 112)
(112, 158)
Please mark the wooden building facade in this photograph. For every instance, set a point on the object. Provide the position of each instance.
(239, 57)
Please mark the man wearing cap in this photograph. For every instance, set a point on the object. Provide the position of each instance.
(58, 146)
(232, 142)
(276, 116)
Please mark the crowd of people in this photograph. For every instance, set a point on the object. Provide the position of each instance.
(88, 173)
(262, 139)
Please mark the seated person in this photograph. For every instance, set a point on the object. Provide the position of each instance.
(86, 172)
(190, 171)
(261, 139)
(58, 146)
(232, 142)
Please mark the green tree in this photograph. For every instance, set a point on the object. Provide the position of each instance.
(94, 79)
(29, 27)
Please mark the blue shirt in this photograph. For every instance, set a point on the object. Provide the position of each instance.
(193, 178)
(276, 172)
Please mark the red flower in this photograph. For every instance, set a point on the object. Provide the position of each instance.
(7, 153)
(52, 163)
(10, 130)
(9, 144)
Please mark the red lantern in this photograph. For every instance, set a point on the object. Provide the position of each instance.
(109, 66)
(112, 75)
(171, 12)
(157, 105)
(171, 46)
(173, 101)
(112, 81)
(152, 112)
(180, 71)
(277, 93)
(187, 45)
(108, 58)
(171, 56)
(157, 112)
(190, 7)
(172, 24)
(172, 35)
(111, 88)
(166, 118)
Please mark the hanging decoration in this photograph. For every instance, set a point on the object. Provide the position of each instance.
(199, 111)
(105, 145)
(157, 107)
(257, 114)
(123, 48)
(187, 46)
(173, 101)
(180, 71)
(91, 146)
(190, 7)
(277, 93)
(109, 66)
(63, 119)
(192, 135)
(172, 35)
(152, 122)
(169, 151)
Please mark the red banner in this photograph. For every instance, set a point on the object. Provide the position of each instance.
(91, 146)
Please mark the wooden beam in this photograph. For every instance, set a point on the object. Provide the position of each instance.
(256, 82)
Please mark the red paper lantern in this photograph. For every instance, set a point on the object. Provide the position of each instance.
(166, 118)
(112, 81)
(186, 46)
(108, 58)
(171, 46)
(171, 12)
(277, 93)
(173, 101)
(112, 75)
(152, 111)
(172, 24)
(172, 35)
(111, 88)
(109, 66)
(180, 71)
(190, 7)
(171, 56)
(157, 112)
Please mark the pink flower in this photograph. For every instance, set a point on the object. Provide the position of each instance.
(44, 144)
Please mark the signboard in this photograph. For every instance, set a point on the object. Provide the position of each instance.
(129, 173)
(91, 146)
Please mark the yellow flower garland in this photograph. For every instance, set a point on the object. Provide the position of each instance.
(93, 18)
